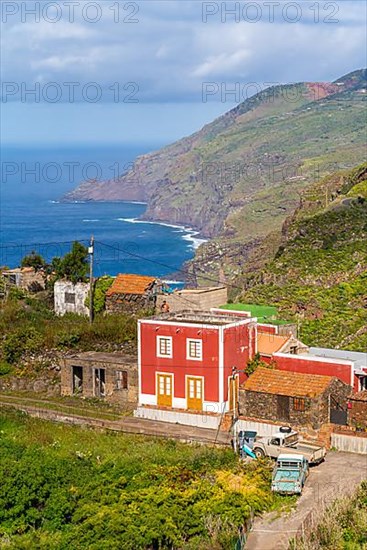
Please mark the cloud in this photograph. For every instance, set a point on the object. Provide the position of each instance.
(170, 50)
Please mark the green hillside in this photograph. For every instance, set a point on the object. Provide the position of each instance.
(240, 176)
(318, 276)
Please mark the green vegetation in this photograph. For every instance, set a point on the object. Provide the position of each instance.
(66, 487)
(33, 260)
(99, 293)
(74, 265)
(318, 276)
(342, 527)
(28, 326)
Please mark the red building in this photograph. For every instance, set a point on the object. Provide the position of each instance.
(186, 360)
(326, 366)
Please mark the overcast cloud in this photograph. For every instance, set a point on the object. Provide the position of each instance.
(173, 48)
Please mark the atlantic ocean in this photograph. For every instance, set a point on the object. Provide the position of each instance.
(33, 179)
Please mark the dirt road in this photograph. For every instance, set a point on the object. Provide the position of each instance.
(339, 475)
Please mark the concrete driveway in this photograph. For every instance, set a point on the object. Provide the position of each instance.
(339, 475)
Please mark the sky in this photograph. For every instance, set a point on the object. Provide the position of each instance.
(135, 72)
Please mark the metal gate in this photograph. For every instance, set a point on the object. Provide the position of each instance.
(338, 415)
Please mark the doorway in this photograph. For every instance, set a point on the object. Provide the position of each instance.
(194, 393)
(77, 380)
(99, 382)
(164, 390)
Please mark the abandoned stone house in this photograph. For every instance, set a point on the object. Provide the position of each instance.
(357, 409)
(109, 376)
(70, 297)
(26, 278)
(131, 293)
(292, 397)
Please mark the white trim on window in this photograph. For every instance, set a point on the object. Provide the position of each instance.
(197, 347)
(167, 349)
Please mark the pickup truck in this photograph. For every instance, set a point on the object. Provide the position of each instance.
(286, 441)
(289, 474)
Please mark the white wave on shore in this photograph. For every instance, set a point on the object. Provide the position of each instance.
(190, 234)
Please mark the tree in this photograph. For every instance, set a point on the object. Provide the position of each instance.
(74, 265)
(33, 260)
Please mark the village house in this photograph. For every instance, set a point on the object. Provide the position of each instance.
(70, 297)
(293, 398)
(131, 293)
(109, 376)
(195, 299)
(350, 367)
(26, 278)
(269, 343)
(357, 410)
(187, 363)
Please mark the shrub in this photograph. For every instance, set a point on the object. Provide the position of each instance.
(26, 340)
(5, 368)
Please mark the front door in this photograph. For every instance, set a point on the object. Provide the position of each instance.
(164, 390)
(194, 393)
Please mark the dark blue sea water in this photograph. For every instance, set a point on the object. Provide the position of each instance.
(31, 218)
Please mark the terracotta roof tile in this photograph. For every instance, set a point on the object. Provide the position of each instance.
(267, 344)
(130, 284)
(359, 396)
(280, 382)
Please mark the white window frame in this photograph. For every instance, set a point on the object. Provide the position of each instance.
(188, 342)
(158, 343)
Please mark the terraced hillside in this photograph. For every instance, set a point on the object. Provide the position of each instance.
(319, 273)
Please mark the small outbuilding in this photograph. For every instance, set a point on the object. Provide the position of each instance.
(292, 397)
(26, 278)
(70, 297)
(109, 376)
(131, 293)
(193, 299)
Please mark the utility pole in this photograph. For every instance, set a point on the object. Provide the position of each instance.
(91, 257)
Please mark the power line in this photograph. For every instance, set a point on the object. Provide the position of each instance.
(170, 267)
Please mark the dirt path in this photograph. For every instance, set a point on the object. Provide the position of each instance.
(339, 475)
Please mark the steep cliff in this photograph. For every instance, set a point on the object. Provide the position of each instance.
(242, 172)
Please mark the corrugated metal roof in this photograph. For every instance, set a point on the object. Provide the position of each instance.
(127, 283)
(267, 343)
(293, 384)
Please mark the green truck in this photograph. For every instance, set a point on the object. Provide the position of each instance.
(290, 474)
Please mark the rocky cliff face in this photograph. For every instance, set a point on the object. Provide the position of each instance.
(239, 177)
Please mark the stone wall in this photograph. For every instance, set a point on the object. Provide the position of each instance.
(112, 364)
(64, 301)
(200, 299)
(357, 415)
(129, 303)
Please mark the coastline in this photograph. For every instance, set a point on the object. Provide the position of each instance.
(190, 233)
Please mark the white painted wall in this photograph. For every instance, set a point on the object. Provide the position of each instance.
(81, 291)
(349, 443)
(199, 420)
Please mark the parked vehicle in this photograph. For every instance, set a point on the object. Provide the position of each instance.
(290, 474)
(285, 441)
